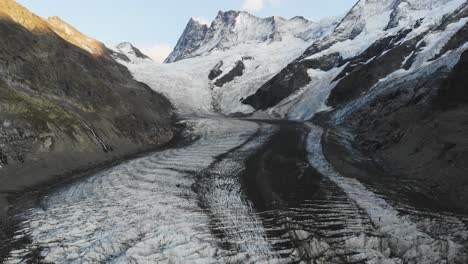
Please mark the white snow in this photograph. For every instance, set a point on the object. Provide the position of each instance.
(187, 85)
(127, 49)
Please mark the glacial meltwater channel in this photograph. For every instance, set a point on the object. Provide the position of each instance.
(241, 191)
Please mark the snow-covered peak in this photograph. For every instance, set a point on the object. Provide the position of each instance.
(232, 28)
(371, 15)
(130, 53)
(407, 12)
(191, 39)
(370, 20)
(356, 20)
(128, 48)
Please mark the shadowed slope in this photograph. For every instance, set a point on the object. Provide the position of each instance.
(62, 109)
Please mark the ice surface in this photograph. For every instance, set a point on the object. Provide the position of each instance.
(146, 211)
(404, 238)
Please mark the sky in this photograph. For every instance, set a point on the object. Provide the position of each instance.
(154, 26)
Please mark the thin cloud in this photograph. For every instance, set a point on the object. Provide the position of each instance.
(159, 52)
(202, 20)
(253, 5)
(258, 5)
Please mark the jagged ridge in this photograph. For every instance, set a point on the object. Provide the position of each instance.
(232, 28)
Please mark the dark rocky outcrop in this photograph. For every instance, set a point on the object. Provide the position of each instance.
(349, 28)
(216, 71)
(455, 41)
(409, 131)
(65, 108)
(453, 93)
(325, 63)
(289, 80)
(360, 76)
(417, 132)
(119, 56)
(237, 71)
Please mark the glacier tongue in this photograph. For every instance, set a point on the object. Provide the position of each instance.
(190, 204)
(146, 210)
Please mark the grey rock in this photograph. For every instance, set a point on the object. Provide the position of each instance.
(289, 80)
(191, 39)
(237, 71)
(216, 71)
(325, 63)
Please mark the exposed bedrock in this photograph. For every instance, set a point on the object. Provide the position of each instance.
(237, 71)
(216, 71)
(289, 80)
(361, 73)
(417, 132)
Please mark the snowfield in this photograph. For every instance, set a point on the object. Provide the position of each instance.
(265, 46)
(186, 82)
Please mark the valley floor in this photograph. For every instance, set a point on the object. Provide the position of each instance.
(236, 191)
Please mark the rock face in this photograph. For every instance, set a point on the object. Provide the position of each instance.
(418, 132)
(216, 71)
(237, 71)
(280, 87)
(414, 125)
(65, 105)
(191, 39)
(359, 76)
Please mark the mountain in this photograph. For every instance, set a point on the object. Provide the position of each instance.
(65, 104)
(387, 72)
(371, 33)
(233, 28)
(214, 67)
(191, 39)
(388, 82)
(126, 52)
